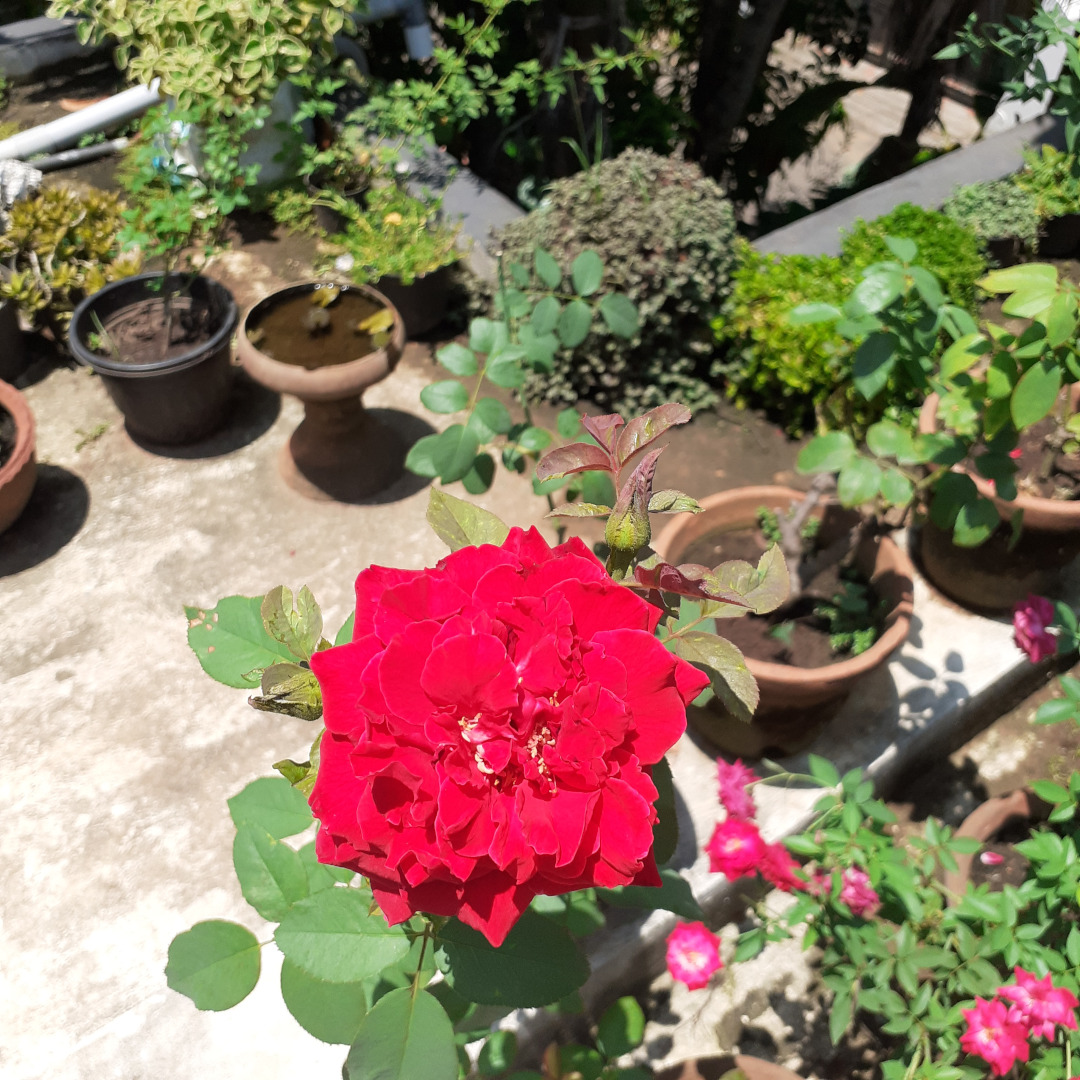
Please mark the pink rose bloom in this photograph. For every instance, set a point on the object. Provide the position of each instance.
(1038, 1006)
(735, 848)
(779, 869)
(734, 793)
(693, 954)
(1031, 627)
(993, 1037)
(857, 892)
(491, 730)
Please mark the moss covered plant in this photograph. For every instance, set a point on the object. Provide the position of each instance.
(995, 209)
(61, 247)
(665, 235)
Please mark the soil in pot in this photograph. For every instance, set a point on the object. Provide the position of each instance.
(323, 328)
(1045, 473)
(146, 332)
(798, 634)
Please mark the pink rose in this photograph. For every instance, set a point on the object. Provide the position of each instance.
(993, 1037)
(1038, 1005)
(490, 731)
(1032, 619)
(735, 848)
(734, 789)
(857, 892)
(693, 954)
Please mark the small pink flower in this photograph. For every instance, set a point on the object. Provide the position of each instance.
(820, 883)
(1015, 454)
(1038, 1005)
(734, 790)
(993, 1037)
(779, 869)
(693, 954)
(991, 858)
(857, 892)
(735, 848)
(1032, 619)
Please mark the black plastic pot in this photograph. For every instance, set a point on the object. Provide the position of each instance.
(1060, 237)
(180, 399)
(422, 305)
(13, 358)
(1005, 250)
(328, 219)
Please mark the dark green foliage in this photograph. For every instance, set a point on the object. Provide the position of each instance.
(665, 236)
(948, 250)
(792, 369)
(854, 616)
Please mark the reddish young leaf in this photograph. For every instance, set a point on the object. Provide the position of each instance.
(577, 457)
(604, 429)
(690, 579)
(643, 430)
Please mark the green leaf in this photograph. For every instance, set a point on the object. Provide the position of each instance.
(878, 290)
(568, 424)
(454, 452)
(272, 877)
(537, 964)
(345, 633)
(506, 367)
(574, 323)
(290, 689)
(619, 313)
(480, 477)
(875, 359)
(674, 895)
(215, 963)
(231, 642)
(497, 1054)
(666, 829)
(952, 491)
(332, 1012)
(905, 250)
(823, 771)
(896, 488)
(1054, 712)
(1035, 394)
(547, 269)
(812, 313)
(448, 396)
(587, 273)
(332, 936)
(494, 415)
(460, 524)
(420, 460)
(621, 1028)
(1030, 303)
(1050, 792)
(859, 482)
(299, 629)
(975, 522)
(404, 1037)
(763, 587)
(272, 804)
(962, 354)
(729, 677)
(826, 453)
(670, 501)
(485, 335)
(545, 316)
(888, 439)
(1024, 276)
(840, 1016)
(321, 875)
(457, 359)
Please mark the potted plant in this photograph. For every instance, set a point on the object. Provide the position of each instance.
(627, 673)
(1003, 215)
(18, 467)
(949, 984)
(60, 247)
(1052, 177)
(161, 340)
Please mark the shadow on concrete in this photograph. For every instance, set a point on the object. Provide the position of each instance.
(252, 412)
(53, 516)
(409, 429)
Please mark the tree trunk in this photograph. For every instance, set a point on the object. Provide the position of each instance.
(733, 52)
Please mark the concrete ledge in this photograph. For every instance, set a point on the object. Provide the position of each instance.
(33, 46)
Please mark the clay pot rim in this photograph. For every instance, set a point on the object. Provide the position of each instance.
(897, 623)
(754, 1068)
(25, 430)
(1063, 513)
(327, 383)
(106, 366)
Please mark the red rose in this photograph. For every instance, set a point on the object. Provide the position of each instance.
(489, 732)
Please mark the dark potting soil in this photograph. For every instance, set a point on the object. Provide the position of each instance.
(1044, 473)
(302, 332)
(138, 333)
(7, 436)
(794, 635)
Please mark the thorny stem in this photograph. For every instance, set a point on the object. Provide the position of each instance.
(420, 962)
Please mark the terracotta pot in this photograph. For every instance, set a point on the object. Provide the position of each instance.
(719, 1066)
(991, 577)
(986, 822)
(795, 702)
(339, 451)
(19, 472)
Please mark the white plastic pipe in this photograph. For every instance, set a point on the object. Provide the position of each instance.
(68, 130)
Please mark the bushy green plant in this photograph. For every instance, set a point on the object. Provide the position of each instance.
(665, 235)
(948, 250)
(792, 369)
(59, 248)
(1052, 177)
(993, 208)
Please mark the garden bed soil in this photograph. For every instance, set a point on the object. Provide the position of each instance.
(806, 644)
(1062, 479)
(8, 435)
(140, 335)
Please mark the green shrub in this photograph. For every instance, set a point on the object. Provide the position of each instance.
(1052, 177)
(946, 249)
(792, 370)
(994, 208)
(665, 236)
